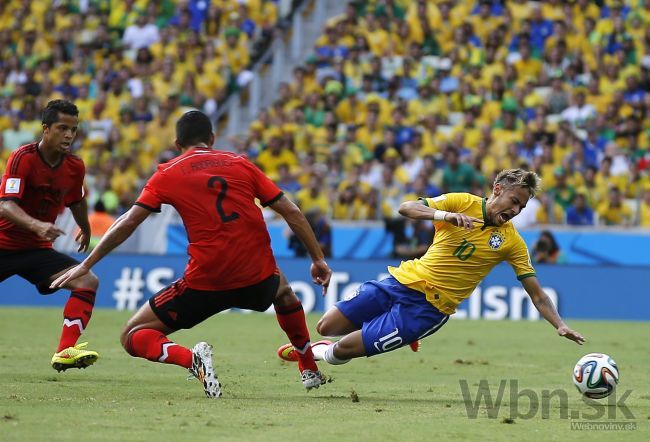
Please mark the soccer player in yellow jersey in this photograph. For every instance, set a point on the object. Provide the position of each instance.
(473, 234)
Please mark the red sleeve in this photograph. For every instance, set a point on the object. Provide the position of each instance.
(151, 198)
(15, 176)
(78, 193)
(265, 189)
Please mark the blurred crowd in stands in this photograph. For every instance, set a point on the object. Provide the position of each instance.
(131, 67)
(399, 99)
(402, 99)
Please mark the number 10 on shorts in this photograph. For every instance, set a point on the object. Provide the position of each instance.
(389, 342)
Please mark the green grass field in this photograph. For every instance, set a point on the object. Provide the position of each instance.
(401, 396)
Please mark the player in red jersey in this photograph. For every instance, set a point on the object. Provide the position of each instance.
(231, 264)
(39, 180)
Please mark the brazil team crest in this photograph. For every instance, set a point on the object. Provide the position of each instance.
(496, 240)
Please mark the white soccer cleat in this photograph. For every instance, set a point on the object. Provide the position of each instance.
(202, 369)
(320, 348)
(312, 379)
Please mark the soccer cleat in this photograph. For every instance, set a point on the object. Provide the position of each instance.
(312, 379)
(415, 346)
(203, 371)
(74, 357)
(289, 354)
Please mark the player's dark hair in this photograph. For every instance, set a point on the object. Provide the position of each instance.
(193, 127)
(54, 107)
(520, 178)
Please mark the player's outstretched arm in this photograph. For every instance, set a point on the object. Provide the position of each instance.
(121, 229)
(419, 210)
(11, 211)
(545, 306)
(80, 213)
(320, 271)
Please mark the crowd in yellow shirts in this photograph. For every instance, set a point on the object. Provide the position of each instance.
(399, 98)
(131, 66)
(413, 98)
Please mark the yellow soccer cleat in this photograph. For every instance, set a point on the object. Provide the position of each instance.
(74, 357)
(288, 353)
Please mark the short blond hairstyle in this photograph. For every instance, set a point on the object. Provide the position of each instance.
(520, 178)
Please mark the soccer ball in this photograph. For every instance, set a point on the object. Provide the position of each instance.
(595, 375)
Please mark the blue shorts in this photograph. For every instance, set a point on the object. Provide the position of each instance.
(391, 315)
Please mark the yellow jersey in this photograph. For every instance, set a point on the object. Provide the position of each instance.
(459, 259)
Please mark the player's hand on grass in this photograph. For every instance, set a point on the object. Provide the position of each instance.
(48, 231)
(321, 274)
(83, 239)
(461, 220)
(73, 273)
(570, 334)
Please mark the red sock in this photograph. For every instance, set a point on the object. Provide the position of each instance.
(292, 320)
(76, 314)
(151, 344)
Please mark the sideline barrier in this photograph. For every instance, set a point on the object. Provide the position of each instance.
(349, 241)
(580, 292)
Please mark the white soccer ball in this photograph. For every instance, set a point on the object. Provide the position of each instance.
(595, 375)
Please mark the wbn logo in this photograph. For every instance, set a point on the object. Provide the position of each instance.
(533, 402)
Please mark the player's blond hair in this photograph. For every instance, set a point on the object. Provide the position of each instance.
(520, 178)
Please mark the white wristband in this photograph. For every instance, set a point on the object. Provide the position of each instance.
(439, 215)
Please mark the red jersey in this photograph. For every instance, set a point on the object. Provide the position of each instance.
(214, 192)
(40, 190)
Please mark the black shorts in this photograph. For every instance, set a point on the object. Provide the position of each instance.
(36, 266)
(179, 306)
